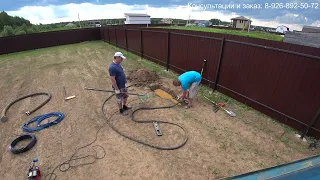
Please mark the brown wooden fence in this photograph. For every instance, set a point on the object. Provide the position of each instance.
(276, 78)
(47, 39)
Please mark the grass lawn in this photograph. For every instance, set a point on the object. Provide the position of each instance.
(254, 34)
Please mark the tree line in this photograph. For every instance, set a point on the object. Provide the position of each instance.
(14, 25)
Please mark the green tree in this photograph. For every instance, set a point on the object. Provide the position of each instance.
(32, 29)
(15, 21)
(19, 32)
(7, 31)
(215, 21)
(53, 26)
(4, 20)
(156, 20)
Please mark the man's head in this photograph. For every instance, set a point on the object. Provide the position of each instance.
(176, 82)
(118, 57)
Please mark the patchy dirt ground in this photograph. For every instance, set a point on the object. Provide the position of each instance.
(142, 76)
(218, 145)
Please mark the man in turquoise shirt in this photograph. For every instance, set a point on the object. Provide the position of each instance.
(186, 79)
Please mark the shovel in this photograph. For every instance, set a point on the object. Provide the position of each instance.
(161, 93)
(230, 113)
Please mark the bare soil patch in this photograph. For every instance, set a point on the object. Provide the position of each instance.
(142, 76)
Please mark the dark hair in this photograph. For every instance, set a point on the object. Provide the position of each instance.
(176, 82)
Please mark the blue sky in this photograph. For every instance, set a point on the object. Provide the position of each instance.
(49, 11)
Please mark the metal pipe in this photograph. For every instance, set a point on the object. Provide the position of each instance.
(94, 89)
(168, 50)
(141, 46)
(218, 65)
(185, 71)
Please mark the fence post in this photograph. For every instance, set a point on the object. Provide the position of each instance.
(32, 42)
(125, 33)
(115, 31)
(313, 121)
(102, 35)
(108, 36)
(218, 66)
(168, 51)
(141, 46)
(4, 47)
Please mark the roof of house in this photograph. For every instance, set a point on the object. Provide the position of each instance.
(94, 20)
(283, 26)
(70, 24)
(136, 14)
(201, 21)
(240, 18)
(311, 29)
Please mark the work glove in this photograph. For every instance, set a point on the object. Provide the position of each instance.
(117, 91)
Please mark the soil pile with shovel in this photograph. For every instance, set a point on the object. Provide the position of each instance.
(142, 77)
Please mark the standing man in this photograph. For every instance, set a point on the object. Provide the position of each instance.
(192, 78)
(118, 80)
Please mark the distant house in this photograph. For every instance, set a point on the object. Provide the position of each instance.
(95, 23)
(311, 29)
(282, 29)
(202, 23)
(241, 22)
(167, 20)
(263, 28)
(70, 25)
(134, 18)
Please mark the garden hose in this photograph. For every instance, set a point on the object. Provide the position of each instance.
(21, 138)
(148, 121)
(4, 111)
(39, 119)
(66, 165)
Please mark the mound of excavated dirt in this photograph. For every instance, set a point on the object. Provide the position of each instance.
(142, 76)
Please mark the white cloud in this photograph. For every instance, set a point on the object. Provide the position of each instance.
(275, 24)
(316, 23)
(293, 18)
(69, 12)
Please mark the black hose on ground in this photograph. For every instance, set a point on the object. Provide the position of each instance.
(4, 111)
(147, 121)
(65, 166)
(21, 138)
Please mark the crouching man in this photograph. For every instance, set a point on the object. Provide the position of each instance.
(188, 79)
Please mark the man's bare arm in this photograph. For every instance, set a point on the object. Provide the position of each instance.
(114, 82)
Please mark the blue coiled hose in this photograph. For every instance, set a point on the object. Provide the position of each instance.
(39, 119)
